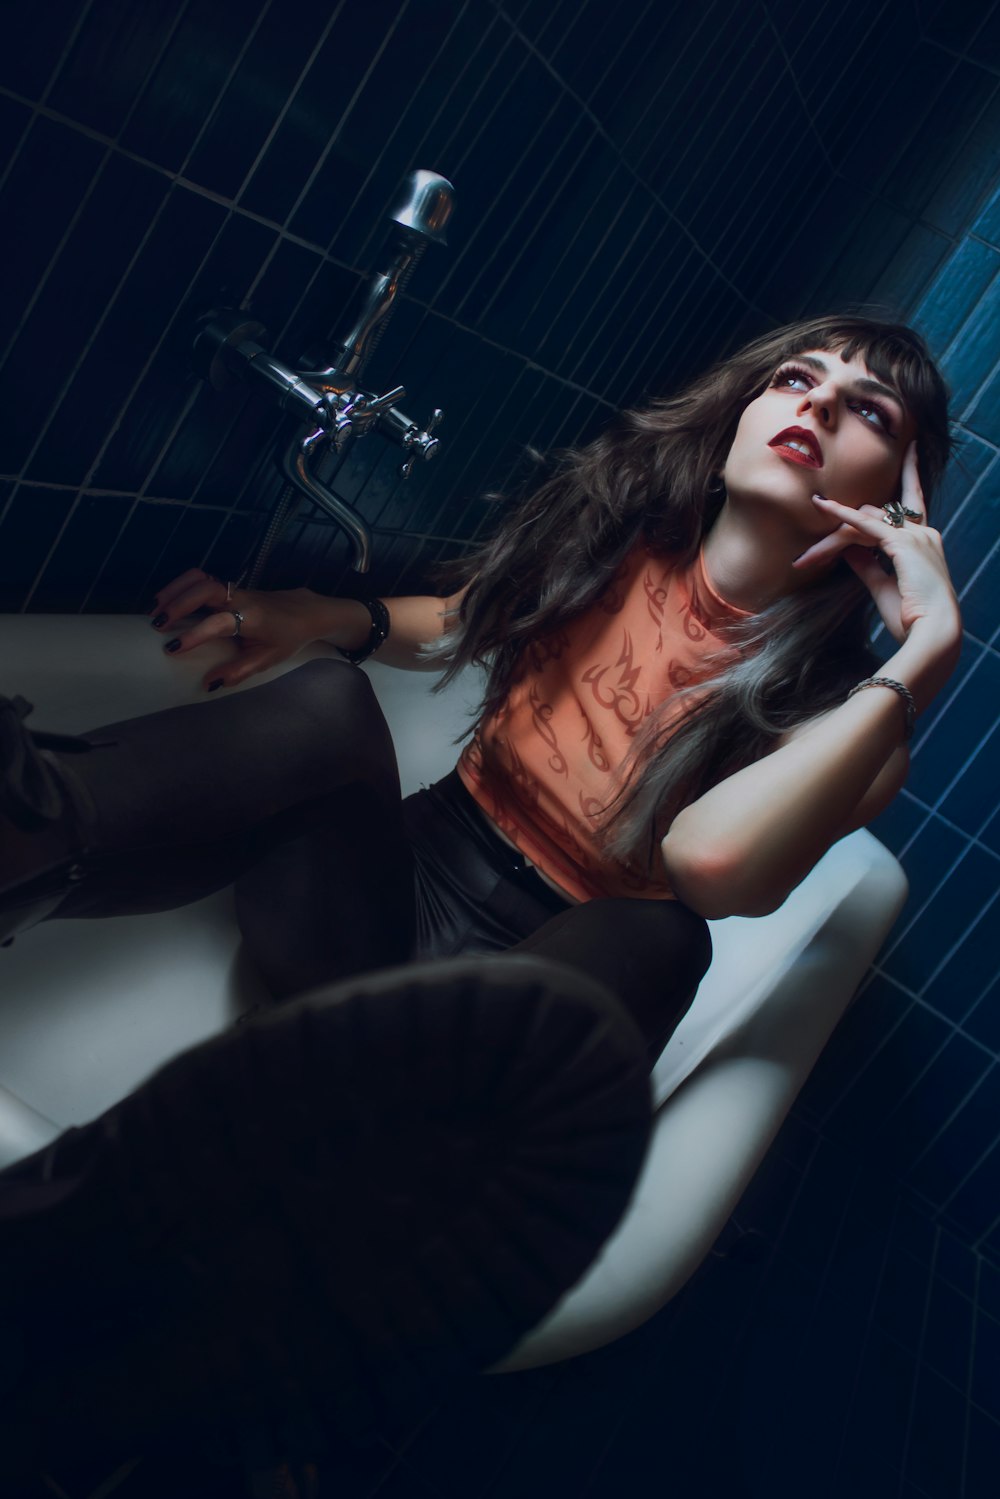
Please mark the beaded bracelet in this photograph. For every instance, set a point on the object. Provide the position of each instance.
(904, 692)
(381, 625)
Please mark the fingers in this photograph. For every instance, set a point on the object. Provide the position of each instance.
(219, 626)
(912, 493)
(191, 591)
(247, 664)
(830, 546)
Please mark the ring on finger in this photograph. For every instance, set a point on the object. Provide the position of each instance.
(895, 514)
(239, 621)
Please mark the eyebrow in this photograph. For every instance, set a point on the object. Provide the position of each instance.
(862, 382)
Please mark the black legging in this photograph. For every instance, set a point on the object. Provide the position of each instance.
(292, 791)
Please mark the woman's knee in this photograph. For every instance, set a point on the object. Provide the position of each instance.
(661, 931)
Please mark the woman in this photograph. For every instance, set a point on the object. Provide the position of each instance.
(674, 728)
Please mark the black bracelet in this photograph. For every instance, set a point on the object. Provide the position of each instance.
(381, 625)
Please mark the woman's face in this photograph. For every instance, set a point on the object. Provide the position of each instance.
(823, 426)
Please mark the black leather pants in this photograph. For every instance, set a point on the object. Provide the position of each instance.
(291, 791)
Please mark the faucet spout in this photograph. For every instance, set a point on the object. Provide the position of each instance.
(295, 467)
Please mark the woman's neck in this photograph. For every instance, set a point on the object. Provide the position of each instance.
(748, 556)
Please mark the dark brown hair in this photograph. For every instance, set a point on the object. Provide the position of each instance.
(648, 480)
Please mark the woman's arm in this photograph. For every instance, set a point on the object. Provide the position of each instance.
(740, 849)
(417, 621)
(278, 624)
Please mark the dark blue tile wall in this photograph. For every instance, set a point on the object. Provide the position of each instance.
(640, 187)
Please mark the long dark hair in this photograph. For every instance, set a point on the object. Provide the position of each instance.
(648, 480)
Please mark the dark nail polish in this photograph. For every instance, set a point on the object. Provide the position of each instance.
(217, 683)
(172, 645)
(160, 619)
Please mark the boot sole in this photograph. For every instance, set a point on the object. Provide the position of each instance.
(327, 1216)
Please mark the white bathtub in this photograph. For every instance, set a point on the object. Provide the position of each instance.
(91, 1008)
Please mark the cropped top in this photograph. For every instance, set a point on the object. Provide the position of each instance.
(546, 766)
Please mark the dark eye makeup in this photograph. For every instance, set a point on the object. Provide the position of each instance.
(793, 371)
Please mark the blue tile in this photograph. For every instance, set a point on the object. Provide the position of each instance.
(234, 133)
(958, 1265)
(317, 107)
(986, 1366)
(76, 293)
(987, 225)
(984, 415)
(971, 459)
(983, 1021)
(979, 600)
(861, 1113)
(373, 141)
(954, 292)
(118, 587)
(969, 970)
(936, 145)
(915, 1231)
(901, 1304)
(926, 1104)
(856, 1265)
(881, 1408)
(937, 1437)
(156, 403)
(954, 711)
(972, 354)
(188, 543)
(900, 285)
(934, 850)
(970, 886)
(899, 822)
(48, 180)
(947, 1342)
(974, 1205)
(189, 76)
(972, 173)
(31, 43)
(989, 1289)
(140, 309)
(90, 533)
(967, 1137)
(119, 49)
(972, 796)
(878, 1009)
(983, 1456)
(29, 529)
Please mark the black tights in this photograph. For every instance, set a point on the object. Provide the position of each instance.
(291, 791)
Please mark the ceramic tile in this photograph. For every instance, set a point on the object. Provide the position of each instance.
(50, 177)
(967, 1137)
(29, 529)
(189, 76)
(118, 48)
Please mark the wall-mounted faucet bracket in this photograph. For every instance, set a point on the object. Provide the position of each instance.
(229, 346)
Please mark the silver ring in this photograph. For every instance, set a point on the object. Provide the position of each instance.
(895, 514)
(239, 621)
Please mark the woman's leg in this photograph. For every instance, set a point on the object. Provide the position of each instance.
(291, 789)
(652, 954)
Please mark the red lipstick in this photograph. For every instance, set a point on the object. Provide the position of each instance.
(812, 459)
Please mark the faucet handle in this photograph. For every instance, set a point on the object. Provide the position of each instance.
(421, 444)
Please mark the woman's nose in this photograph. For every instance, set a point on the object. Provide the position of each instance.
(820, 403)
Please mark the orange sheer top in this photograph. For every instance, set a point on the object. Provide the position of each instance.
(548, 763)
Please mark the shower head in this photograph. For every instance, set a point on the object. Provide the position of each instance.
(424, 206)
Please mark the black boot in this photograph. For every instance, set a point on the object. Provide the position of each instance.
(46, 822)
(316, 1220)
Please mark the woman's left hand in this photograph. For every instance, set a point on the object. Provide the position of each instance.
(918, 593)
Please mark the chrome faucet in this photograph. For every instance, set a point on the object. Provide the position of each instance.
(229, 346)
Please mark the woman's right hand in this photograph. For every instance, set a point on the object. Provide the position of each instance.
(275, 624)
